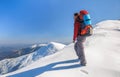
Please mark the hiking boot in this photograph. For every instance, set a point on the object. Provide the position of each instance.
(83, 64)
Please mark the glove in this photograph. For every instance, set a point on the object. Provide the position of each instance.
(73, 41)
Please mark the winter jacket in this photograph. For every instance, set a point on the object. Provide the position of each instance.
(77, 24)
(76, 29)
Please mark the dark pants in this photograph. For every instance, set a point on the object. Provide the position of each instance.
(79, 48)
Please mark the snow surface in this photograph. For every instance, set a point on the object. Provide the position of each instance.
(34, 46)
(101, 50)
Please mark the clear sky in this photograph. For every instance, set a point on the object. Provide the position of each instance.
(33, 21)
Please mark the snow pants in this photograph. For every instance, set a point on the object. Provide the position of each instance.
(79, 48)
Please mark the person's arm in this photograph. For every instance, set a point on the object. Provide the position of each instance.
(76, 27)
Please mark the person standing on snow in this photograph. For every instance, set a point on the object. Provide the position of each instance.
(80, 35)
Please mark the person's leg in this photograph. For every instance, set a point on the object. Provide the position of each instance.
(80, 49)
(76, 49)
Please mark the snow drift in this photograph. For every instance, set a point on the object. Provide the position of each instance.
(101, 50)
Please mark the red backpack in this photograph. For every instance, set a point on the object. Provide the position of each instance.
(86, 27)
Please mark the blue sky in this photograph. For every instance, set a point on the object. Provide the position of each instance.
(33, 21)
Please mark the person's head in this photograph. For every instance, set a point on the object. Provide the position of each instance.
(76, 16)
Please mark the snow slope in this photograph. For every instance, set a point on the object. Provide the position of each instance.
(101, 50)
(12, 64)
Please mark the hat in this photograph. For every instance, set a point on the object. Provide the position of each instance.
(83, 12)
(75, 14)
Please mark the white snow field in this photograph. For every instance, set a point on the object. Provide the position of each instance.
(101, 50)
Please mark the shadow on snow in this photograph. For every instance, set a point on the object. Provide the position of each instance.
(49, 67)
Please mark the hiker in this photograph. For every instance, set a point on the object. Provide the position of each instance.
(82, 25)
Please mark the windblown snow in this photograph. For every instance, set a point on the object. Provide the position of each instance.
(101, 50)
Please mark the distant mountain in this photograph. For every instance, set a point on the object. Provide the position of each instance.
(9, 51)
(4, 51)
(35, 52)
(24, 51)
